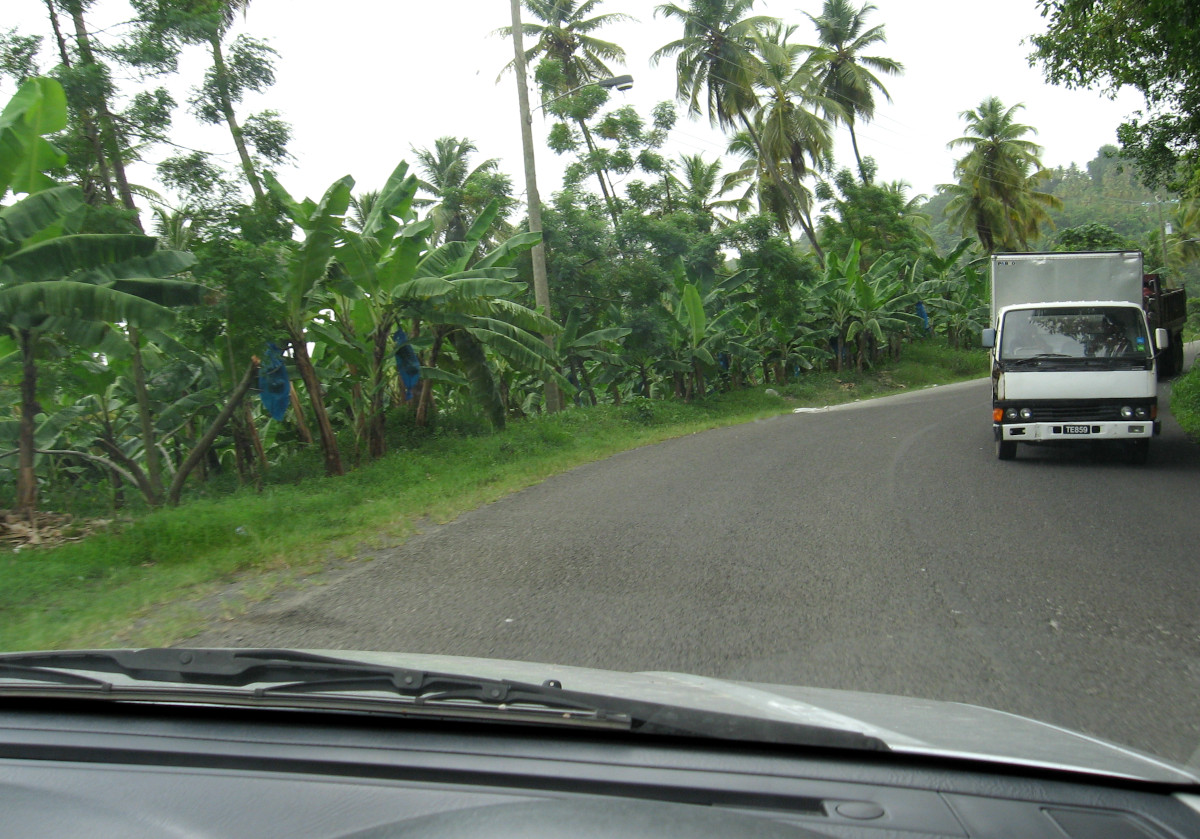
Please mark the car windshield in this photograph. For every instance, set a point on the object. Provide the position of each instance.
(600, 338)
(1076, 332)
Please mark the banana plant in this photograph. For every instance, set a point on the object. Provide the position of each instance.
(38, 109)
(53, 278)
(375, 259)
(471, 302)
(303, 288)
(52, 284)
(883, 308)
(578, 347)
(955, 292)
(699, 337)
(864, 307)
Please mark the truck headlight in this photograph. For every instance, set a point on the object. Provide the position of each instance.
(1126, 412)
(1010, 414)
(1027, 414)
(1142, 412)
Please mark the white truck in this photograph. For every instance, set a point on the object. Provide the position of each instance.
(1073, 358)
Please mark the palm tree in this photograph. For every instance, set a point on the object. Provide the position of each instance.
(996, 194)
(847, 76)
(361, 208)
(715, 57)
(462, 191)
(698, 185)
(1184, 245)
(564, 37)
(722, 57)
(756, 184)
(791, 96)
(791, 129)
(788, 201)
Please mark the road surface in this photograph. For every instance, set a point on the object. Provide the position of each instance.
(879, 546)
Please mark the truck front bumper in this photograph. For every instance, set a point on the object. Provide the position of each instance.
(1076, 432)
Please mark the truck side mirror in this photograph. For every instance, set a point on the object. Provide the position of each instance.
(1162, 338)
(988, 338)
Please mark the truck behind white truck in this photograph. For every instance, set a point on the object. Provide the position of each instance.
(1073, 357)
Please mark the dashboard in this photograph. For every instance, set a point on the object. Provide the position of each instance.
(142, 771)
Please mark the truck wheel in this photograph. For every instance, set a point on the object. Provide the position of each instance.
(1139, 450)
(1006, 450)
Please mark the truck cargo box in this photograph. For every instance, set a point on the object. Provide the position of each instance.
(1057, 277)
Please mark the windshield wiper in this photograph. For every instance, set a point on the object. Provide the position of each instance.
(315, 681)
(272, 672)
(1036, 360)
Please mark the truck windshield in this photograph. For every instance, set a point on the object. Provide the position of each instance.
(1080, 332)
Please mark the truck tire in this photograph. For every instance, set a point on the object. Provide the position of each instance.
(1138, 450)
(1006, 450)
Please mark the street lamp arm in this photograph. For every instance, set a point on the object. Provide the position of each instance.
(619, 82)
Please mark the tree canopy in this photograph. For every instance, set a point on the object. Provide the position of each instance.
(1152, 46)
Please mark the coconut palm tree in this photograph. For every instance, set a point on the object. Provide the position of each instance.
(847, 76)
(758, 187)
(462, 192)
(1184, 244)
(564, 37)
(792, 117)
(996, 195)
(795, 106)
(697, 186)
(714, 60)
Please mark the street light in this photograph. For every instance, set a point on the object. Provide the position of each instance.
(541, 291)
(619, 82)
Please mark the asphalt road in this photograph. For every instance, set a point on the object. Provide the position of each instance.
(879, 546)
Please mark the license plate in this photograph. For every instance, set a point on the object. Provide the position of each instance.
(1077, 429)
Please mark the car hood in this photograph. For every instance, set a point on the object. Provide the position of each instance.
(908, 726)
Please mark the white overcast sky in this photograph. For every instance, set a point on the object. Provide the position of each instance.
(363, 81)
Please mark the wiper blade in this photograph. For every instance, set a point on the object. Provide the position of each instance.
(275, 672)
(39, 674)
(299, 679)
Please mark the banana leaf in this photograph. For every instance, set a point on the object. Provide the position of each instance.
(50, 212)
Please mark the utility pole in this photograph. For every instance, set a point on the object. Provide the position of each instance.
(541, 290)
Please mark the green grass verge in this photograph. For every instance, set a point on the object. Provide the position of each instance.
(136, 583)
(1185, 401)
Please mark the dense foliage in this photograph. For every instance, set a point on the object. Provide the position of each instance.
(1152, 46)
(259, 330)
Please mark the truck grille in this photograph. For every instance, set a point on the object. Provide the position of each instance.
(1081, 413)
